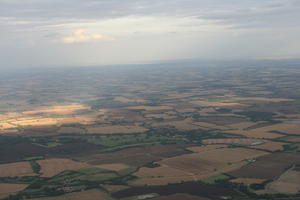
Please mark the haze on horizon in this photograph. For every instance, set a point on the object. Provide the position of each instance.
(97, 32)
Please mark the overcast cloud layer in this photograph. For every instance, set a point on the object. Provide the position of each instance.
(95, 32)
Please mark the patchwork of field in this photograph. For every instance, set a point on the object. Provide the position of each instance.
(196, 166)
(18, 169)
(136, 156)
(10, 189)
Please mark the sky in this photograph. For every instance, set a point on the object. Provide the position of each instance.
(101, 32)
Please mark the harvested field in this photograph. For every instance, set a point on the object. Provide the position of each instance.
(291, 139)
(137, 156)
(260, 169)
(115, 129)
(223, 120)
(271, 146)
(197, 149)
(192, 188)
(85, 195)
(216, 104)
(256, 133)
(113, 166)
(196, 166)
(52, 167)
(241, 125)
(17, 169)
(248, 181)
(180, 197)
(9, 189)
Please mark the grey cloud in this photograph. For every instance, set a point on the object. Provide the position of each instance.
(235, 13)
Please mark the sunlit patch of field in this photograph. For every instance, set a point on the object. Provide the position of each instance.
(54, 166)
(9, 189)
(195, 166)
(57, 109)
(114, 129)
(216, 104)
(84, 195)
(17, 169)
(261, 99)
(248, 181)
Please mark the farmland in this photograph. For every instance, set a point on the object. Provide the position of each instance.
(202, 133)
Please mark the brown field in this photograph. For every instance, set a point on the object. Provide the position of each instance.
(196, 166)
(180, 197)
(197, 149)
(150, 108)
(261, 99)
(54, 166)
(256, 133)
(9, 189)
(115, 129)
(113, 167)
(291, 139)
(163, 116)
(137, 156)
(242, 125)
(16, 169)
(85, 195)
(261, 167)
(248, 181)
(287, 183)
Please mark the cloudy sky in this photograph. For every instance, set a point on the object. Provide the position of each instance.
(97, 32)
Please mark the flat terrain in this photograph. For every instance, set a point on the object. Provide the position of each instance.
(186, 130)
(10, 189)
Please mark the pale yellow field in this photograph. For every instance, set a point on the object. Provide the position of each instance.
(9, 189)
(115, 129)
(52, 167)
(113, 167)
(216, 104)
(16, 169)
(58, 109)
